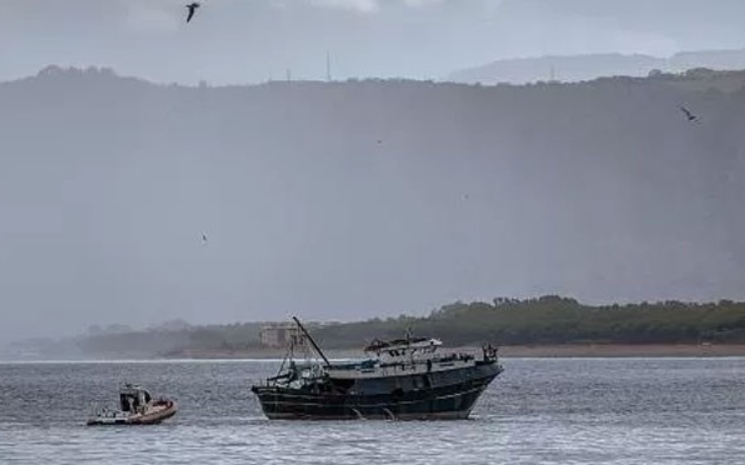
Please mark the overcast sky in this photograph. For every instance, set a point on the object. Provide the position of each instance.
(240, 41)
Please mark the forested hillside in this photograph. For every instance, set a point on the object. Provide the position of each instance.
(343, 200)
(557, 320)
(547, 320)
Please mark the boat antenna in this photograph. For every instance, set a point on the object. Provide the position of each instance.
(315, 346)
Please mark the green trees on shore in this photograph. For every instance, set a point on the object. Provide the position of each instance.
(174, 341)
(556, 320)
(504, 321)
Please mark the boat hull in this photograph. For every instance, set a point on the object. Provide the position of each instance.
(158, 414)
(451, 400)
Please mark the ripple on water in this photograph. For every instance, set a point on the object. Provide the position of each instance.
(565, 411)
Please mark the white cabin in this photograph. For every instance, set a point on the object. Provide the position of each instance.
(402, 358)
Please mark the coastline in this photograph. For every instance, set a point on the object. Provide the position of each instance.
(522, 351)
(505, 352)
(624, 350)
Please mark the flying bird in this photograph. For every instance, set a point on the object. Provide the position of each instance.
(689, 116)
(192, 7)
(204, 238)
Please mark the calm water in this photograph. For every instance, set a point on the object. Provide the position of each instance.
(539, 411)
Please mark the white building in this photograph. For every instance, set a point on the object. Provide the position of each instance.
(278, 335)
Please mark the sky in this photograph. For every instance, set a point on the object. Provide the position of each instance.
(248, 41)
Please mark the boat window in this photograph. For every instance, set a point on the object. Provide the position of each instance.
(124, 402)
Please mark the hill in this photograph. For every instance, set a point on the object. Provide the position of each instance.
(572, 68)
(339, 200)
(552, 322)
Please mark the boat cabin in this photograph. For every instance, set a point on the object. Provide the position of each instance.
(133, 398)
(402, 357)
(398, 348)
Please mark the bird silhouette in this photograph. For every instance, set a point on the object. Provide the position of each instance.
(192, 7)
(689, 116)
(204, 238)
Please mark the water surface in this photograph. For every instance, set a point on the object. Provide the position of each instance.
(539, 411)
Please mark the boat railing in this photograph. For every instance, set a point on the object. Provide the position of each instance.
(455, 356)
(297, 372)
(94, 409)
(407, 358)
(102, 410)
(490, 353)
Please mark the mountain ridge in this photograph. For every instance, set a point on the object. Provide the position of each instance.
(571, 68)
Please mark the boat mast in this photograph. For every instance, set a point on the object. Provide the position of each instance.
(315, 346)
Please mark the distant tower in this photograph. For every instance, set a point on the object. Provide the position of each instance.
(328, 66)
(553, 74)
(289, 75)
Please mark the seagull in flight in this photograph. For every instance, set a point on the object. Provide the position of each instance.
(192, 7)
(689, 116)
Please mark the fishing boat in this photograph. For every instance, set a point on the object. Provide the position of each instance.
(136, 407)
(402, 379)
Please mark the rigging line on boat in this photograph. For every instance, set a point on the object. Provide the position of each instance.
(312, 341)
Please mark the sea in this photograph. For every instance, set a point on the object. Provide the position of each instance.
(539, 411)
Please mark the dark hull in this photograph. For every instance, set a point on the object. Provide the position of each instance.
(453, 399)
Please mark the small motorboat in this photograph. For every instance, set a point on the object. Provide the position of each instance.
(136, 407)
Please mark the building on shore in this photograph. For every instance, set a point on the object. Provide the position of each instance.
(278, 334)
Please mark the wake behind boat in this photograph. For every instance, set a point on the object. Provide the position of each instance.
(136, 407)
(402, 379)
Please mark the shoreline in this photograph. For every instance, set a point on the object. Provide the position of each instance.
(624, 350)
(554, 351)
(521, 351)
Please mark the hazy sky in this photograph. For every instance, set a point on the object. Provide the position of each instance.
(238, 41)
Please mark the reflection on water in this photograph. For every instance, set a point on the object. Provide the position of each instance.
(539, 411)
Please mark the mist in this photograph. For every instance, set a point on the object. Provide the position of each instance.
(349, 200)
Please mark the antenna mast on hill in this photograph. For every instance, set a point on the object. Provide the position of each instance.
(328, 66)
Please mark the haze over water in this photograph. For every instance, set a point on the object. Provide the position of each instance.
(540, 411)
